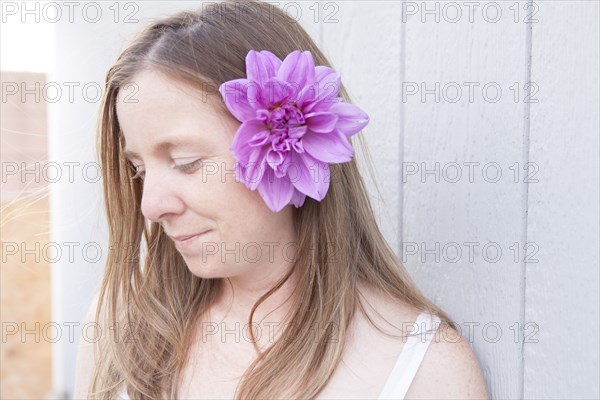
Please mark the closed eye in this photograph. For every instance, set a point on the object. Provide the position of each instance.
(190, 166)
(187, 168)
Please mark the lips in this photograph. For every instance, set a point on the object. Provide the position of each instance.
(183, 237)
(187, 238)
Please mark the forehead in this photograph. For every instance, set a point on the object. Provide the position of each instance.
(155, 108)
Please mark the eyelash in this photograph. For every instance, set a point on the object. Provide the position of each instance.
(184, 167)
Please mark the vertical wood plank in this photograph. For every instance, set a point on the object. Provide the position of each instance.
(464, 205)
(562, 288)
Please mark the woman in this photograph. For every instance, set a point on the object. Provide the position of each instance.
(255, 283)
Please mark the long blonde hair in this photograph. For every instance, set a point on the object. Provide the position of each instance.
(160, 299)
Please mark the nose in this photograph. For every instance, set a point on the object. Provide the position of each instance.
(159, 199)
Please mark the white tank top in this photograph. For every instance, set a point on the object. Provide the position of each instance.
(413, 352)
(407, 365)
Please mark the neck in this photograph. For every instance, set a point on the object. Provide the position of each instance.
(238, 294)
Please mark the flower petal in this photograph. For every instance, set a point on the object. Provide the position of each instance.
(276, 192)
(332, 147)
(309, 92)
(281, 169)
(275, 91)
(323, 92)
(261, 66)
(240, 96)
(297, 131)
(255, 168)
(311, 176)
(274, 158)
(351, 119)
(326, 105)
(298, 69)
(298, 198)
(259, 139)
(247, 133)
(321, 121)
(273, 60)
(321, 71)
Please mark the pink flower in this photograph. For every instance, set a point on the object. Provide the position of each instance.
(293, 126)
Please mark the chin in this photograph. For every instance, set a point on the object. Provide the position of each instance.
(206, 270)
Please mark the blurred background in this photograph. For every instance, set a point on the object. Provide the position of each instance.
(485, 137)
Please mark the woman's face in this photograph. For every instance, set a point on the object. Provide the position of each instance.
(168, 127)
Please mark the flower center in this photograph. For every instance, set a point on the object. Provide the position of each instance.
(286, 124)
(284, 116)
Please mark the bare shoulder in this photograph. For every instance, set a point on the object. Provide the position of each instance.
(449, 370)
(385, 310)
(375, 340)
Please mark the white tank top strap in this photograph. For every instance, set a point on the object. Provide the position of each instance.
(411, 356)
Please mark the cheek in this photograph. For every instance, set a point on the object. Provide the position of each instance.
(240, 199)
(249, 215)
(239, 212)
(246, 208)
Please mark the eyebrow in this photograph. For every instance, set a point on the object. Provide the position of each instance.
(164, 146)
